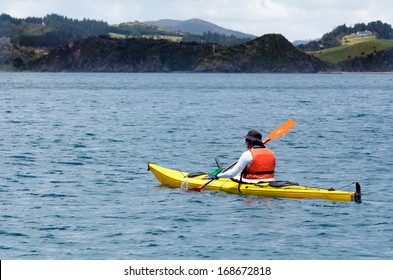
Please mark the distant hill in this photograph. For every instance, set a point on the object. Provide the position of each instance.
(353, 46)
(269, 53)
(334, 38)
(58, 43)
(198, 27)
(106, 54)
(363, 47)
(25, 40)
(49, 31)
(138, 29)
(381, 61)
(303, 42)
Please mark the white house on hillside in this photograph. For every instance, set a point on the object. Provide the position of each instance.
(364, 33)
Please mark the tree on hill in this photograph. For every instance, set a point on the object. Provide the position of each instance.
(383, 30)
(50, 31)
(333, 38)
(7, 51)
(214, 38)
(77, 28)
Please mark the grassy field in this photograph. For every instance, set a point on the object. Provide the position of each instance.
(353, 46)
(156, 37)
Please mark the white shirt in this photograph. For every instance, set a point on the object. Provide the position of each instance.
(244, 160)
(235, 172)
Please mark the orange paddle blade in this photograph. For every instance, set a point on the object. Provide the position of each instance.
(280, 131)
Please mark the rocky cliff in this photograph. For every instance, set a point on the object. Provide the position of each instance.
(269, 53)
(104, 54)
(381, 61)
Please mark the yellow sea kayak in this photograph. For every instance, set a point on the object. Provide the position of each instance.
(174, 178)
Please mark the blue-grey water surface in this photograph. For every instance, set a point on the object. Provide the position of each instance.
(74, 182)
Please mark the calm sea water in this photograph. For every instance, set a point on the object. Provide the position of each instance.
(74, 181)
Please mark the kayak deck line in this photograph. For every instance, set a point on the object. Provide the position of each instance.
(174, 178)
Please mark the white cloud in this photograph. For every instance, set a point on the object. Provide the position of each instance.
(267, 10)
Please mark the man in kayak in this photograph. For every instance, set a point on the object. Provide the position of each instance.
(254, 165)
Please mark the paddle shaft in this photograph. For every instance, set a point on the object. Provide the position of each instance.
(203, 186)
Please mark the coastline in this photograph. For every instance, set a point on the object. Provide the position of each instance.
(357, 72)
(218, 72)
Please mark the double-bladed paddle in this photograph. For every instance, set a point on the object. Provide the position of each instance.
(278, 132)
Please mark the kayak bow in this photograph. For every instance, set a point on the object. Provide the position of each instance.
(282, 189)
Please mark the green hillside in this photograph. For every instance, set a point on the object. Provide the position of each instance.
(353, 46)
(140, 30)
(148, 30)
(23, 41)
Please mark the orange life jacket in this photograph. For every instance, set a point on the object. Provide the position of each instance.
(262, 165)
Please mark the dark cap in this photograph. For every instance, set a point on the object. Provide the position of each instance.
(254, 135)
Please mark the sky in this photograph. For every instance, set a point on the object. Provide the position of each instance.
(295, 19)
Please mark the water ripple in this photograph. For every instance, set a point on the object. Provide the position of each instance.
(74, 183)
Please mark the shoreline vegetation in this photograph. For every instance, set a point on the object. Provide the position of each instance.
(192, 72)
(58, 44)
